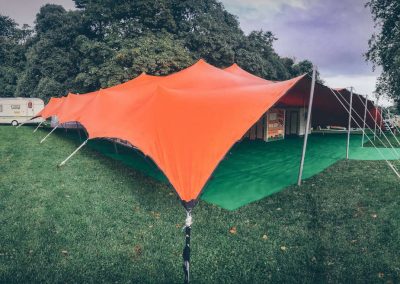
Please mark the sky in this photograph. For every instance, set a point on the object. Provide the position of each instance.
(333, 34)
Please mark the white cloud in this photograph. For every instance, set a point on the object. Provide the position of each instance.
(363, 84)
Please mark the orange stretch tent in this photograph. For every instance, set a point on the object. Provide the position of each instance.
(186, 122)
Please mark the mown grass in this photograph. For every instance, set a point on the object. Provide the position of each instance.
(95, 220)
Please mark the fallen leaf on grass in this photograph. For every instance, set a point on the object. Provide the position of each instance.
(64, 252)
(374, 216)
(265, 237)
(381, 274)
(283, 248)
(233, 230)
(138, 250)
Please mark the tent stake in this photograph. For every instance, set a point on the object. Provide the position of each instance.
(73, 153)
(349, 125)
(365, 117)
(186, 249)
(38, 126)
(310, 104)
(48, 134)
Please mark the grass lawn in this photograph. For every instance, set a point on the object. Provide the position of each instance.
(382, 141)
(96, 220)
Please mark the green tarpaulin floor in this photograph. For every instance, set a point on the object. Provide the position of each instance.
(255, 169)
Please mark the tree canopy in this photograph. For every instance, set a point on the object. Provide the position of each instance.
(106, 42)
(384, 47)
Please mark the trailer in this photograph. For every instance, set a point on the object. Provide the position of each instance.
(18, 110)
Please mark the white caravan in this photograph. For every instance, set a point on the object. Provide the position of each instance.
(18, 110)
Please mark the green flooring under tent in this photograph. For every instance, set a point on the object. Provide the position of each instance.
(253, 170)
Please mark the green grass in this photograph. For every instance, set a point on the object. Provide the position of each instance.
(96, 220)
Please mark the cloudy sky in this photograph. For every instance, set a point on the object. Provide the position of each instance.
(333, 34)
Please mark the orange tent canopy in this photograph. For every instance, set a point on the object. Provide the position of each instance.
(51, 108)
(186, 122)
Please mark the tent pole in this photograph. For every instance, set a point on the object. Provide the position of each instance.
(73, 153)
(26, 121)
(310, 104)
(370, 139)
(79, 132)
(186, 249)
(349, 125)
(376, 117)
(115, 147)
(365, 117)
(38, 126)
(381, 124)
(48, 134)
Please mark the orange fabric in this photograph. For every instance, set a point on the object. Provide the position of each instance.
(186, 122)
(51, 108)
(235, 69)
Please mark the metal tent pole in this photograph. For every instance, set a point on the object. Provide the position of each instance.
(73, 153)
(186, 249)
(48, 134)
(310, 104)
(38, 126)
(115, 147)
(349, 125)
(376, 117)
(26, 121)
(365, 117)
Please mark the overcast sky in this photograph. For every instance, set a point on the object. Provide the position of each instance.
(331, 33)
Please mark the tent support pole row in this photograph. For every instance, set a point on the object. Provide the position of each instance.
(349, 125)
(310, 104)
(73, 153)
(365, 117)
(392, 167)
(48, 134)
(394, 150)
(390, 129)
(38, 126)
(186, 249)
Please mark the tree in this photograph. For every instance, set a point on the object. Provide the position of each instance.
(12, 54)
(384, 47)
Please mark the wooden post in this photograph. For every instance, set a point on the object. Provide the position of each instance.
(310, 104)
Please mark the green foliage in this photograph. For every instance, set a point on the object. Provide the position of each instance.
(106, 42)
(12, 54)
(384, 47)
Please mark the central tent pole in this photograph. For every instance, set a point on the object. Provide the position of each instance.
(186, 249)
(310, 104)
(349, 125)
(365, 117)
